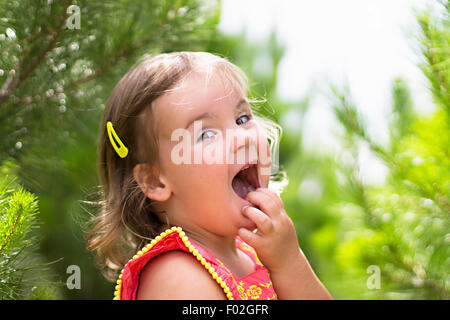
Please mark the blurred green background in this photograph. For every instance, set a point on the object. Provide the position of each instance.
(385, 241)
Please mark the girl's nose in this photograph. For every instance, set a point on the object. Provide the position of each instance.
(243, 141)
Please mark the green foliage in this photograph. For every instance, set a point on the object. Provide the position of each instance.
(401, 226)
(18, 215)
(435, 43)
(18, 218)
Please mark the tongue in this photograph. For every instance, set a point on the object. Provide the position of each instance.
(241, 187)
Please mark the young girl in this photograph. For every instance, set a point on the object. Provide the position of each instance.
(202, 229)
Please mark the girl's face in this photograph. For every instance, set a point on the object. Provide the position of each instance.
(207, 135)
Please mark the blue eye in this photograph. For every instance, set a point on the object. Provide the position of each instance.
(244, 115)
(201, 138)
(207, 134)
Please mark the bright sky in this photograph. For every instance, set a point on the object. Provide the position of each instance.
(366, 43)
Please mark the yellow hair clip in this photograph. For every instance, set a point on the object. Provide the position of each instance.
(122, 151)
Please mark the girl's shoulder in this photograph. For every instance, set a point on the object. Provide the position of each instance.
(174, 272)
(175, 275)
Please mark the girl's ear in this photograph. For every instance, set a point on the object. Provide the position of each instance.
(151, 183)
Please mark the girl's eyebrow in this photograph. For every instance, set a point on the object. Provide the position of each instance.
(239, 106)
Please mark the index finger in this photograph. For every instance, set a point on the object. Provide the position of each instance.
(264, 202)
(275, 197)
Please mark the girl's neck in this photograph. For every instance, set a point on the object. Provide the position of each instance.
(223, 248)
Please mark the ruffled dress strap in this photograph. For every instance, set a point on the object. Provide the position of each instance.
(176, 239)
(256, 285)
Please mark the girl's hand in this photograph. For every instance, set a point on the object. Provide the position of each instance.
(275, 242)
(276, 245)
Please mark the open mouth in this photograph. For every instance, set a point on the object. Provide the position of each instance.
(246, 180)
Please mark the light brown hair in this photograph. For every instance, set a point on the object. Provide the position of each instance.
(127, 219)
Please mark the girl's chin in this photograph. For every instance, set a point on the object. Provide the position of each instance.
(248, 224)
(243, 221)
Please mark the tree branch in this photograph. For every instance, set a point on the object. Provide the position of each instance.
(13, 82)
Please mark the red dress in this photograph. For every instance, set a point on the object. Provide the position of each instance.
(256, 285)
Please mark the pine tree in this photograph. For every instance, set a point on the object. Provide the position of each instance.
(400, 229)
(21, 275)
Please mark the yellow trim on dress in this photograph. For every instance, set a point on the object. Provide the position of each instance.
(191, 249)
